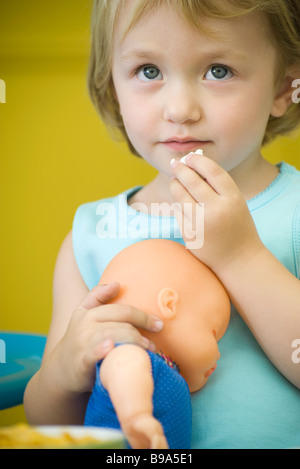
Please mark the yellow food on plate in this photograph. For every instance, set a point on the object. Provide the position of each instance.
(22, 436)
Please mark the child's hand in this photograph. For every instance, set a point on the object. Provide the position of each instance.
(93, 329)
(229, 230)
(145, 432)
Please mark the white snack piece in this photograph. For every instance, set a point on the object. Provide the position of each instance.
(182, 160)
(197, 152)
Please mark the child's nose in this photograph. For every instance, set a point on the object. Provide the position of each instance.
(181, 104)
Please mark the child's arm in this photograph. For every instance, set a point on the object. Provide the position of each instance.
(126, 374)
(264, 292)
(58, 393)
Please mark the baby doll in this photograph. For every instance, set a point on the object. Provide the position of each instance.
(145, 394)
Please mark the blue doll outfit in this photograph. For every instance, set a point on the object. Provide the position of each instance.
(171, 404)
(247, 403)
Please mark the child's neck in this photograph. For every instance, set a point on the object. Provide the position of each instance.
(155, 192)
(254, 177)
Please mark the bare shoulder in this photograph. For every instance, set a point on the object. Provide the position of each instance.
(67, 278)
(69, 289)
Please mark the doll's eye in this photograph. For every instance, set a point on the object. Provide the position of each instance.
(149, 73)
(218, 73)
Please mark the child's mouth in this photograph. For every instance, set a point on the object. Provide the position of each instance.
(184, 146)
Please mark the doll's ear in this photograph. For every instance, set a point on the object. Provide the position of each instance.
(167, 301)
(283, 99)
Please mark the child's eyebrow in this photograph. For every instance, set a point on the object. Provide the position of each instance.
(140, 55)
(218, 54)
(225, 54)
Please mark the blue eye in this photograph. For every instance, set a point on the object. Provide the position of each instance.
(218, 73)
(149, 73)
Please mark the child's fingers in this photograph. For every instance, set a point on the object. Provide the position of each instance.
(127, 314)
(189, 187)
(102, 349)
(182, 193)
(99, 296)
(213, 181)
(212, 174)
(124, 334)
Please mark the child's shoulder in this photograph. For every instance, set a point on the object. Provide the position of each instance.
(287, 168)
(290, 179)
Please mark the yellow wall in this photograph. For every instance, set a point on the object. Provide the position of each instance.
(54, 153)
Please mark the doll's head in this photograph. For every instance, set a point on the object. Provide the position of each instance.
(162, 278)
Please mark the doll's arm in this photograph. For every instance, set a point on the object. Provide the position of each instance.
(126, 374)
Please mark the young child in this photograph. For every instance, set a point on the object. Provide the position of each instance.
(174, 77)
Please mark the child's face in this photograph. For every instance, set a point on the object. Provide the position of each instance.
(180, 90)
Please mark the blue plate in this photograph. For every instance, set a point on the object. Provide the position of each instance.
(20, 358)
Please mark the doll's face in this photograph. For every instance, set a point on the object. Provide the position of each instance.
(194, 320)
(162, 278)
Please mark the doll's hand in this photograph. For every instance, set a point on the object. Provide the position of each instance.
(229, 230)
(145, 432)
(93, 329)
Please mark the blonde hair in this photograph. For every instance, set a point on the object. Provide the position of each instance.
(284, 21)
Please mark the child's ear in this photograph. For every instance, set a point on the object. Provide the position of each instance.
(167, 301)
(283, 99)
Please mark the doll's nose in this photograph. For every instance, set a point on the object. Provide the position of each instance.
(210, 372)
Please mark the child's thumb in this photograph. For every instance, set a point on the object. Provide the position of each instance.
(100, 295)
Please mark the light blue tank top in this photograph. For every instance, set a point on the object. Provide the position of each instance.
(246, 403)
